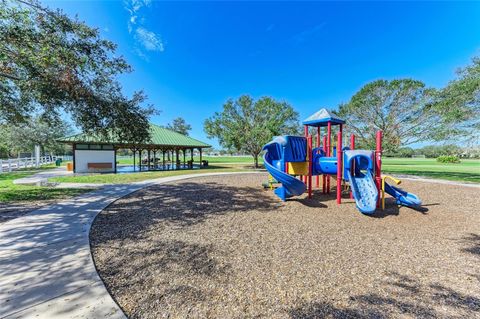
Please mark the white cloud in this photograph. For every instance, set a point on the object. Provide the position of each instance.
(145, 40)
(149, 40)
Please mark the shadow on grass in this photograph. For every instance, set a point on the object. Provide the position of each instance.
(403, 296)
(13, 175)
(33, 193)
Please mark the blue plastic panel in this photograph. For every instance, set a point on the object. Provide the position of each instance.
(295, 149)
(326, 165)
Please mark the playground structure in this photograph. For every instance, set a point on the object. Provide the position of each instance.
(288, 157)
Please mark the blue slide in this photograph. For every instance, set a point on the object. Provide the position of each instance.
(402, 197)
(364, 191)
(290, 185)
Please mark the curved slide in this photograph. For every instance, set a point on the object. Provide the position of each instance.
(402, 197)
(364, 192)
(290, 185)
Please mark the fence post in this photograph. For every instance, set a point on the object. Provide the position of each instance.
(9, 164)
(1, 166)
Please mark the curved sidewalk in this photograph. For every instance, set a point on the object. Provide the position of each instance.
(46, 269)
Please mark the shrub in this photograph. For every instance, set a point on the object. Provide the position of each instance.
(448, 159)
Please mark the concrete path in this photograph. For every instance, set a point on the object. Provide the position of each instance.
(46, 269)
(43, 176)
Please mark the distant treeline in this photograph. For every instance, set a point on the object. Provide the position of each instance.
(434, 151)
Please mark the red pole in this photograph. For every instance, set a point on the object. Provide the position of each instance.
(339, 166)
(378, 164)
(305, 132)
(352, 167)
(329, 140)
(309, 166)
(324, 178)
(318, 145)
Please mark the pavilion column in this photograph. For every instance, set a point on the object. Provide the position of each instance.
(134, 151)
(191, 157)
(140, 160)
(184, 158)
(200, 150)
(177, 158)
(155, 159)
(163, 155)
(148, 159)
(115, 158)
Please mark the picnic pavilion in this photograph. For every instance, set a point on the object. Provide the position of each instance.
(167, 149)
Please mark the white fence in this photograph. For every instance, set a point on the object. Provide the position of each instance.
(8, 165)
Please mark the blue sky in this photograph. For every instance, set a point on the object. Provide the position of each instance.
(190, 57)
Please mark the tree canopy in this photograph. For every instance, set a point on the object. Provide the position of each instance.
(459, 104)
(402, 109)
(246, 125)
(179, 125)
(52, 64)
(24, 136)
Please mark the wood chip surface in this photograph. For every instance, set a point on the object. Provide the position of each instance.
(223, 247)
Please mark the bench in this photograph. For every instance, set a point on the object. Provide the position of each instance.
(99, 166)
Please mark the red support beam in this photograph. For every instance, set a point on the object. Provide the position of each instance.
(324, 177)
(339, 166)
(317, 182)
(309, 153)
(305, 133)
(329, 147)
(378, 164)
(352, 166)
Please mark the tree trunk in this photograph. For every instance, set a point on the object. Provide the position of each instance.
(255, 160)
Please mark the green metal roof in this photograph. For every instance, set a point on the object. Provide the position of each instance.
(160, 136)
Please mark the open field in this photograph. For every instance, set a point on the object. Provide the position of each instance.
(466, 171)
(222, 247)
(141, 176)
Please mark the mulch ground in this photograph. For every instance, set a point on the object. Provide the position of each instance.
(222, 247)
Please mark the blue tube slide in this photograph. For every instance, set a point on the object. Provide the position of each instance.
(358, 171)
(364, 191)
(290, 185)
(402, 197)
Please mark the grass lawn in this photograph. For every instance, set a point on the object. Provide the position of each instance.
(466, 171)
(141, 176)
(10, 192)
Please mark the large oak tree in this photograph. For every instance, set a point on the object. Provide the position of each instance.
(402, 109)
(246, 125)
(459, 105)
(51, 64)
